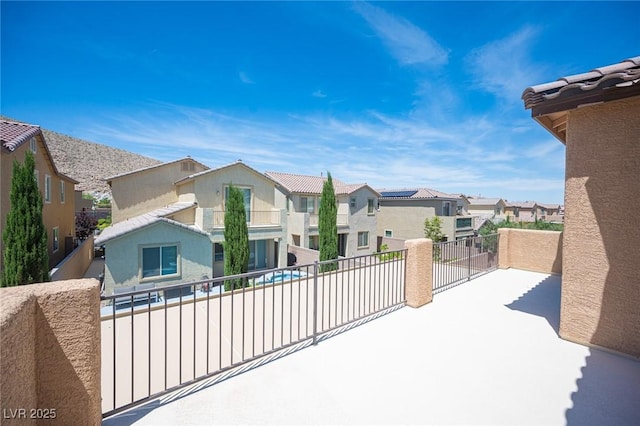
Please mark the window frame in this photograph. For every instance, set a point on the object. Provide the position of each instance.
(218, 255)
(178, 260)
(364, 234)
(306, 204)
(55, 239)
(371, 206)
(47, 189)
(62, 192)
(446, 208)
(388, 233)
(33, 145)
(353, 202)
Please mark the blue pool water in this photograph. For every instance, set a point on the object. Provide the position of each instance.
(280, 277)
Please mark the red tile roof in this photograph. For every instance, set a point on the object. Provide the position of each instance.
(13, 134)
(623, 75)
(305, 184)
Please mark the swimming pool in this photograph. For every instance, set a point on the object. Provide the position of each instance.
(280, 276)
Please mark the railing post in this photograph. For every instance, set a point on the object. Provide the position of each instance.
(473, 242)
(315, 302)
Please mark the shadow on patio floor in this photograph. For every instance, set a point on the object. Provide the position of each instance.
(542, 300)
(608, 391)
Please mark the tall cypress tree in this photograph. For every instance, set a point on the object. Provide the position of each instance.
(327, 225)
(26, 259)
(236, 238)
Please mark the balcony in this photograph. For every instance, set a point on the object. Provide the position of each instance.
(214, 219)
(341, 220)
(486, 352)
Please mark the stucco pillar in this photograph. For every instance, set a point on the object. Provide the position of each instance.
(419, 278)
(59, 323)
(503, 248)
(69, 350)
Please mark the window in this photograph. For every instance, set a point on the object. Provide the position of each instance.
(314, 242)
(370, 206)
(246, 195)
(159, 261)
(55, 239)
(352, 202)
(388, 233)
(463, 222)
(37, 175)
(47, 188)
(307, 204)
(516, 211)
(498, 210)
(363, 239)
(446, 208)
(62, 191)
(218, 252)
(33, 145)
(188, 166)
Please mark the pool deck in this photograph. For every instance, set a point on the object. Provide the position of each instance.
(483, 353)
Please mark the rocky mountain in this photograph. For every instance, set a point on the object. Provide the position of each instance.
(90, 163)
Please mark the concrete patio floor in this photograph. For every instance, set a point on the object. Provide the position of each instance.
(485, 352)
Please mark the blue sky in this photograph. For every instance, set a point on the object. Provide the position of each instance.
(395, 94)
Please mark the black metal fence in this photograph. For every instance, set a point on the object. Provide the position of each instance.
(455, 262)
(157, 340)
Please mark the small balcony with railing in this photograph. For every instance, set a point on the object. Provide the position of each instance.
(213, 219)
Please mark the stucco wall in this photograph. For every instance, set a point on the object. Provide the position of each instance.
(360, 221)
(210, 188)
(530, 250)
(147, 190)
(406, 220)
(76, 264)
(54, 213)
(50, 347)
(600, 278)
(123, 255)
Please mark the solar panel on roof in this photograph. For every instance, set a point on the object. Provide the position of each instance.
(399, 194)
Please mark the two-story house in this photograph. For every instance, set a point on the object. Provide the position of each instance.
(403, 212)
(168, 223)
(357, 213)
(487, 208)
(58, 203)
(522, 211)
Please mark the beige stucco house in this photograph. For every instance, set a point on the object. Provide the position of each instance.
(357, 213)
(174, 232)
(597, 116)
(487, 208)
(403, 212)
(58, 202)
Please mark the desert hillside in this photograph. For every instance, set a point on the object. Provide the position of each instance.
(90, 163)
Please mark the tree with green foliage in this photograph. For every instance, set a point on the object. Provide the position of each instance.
(328, 225)
(433, 231)
(236, 238)
(26, 258)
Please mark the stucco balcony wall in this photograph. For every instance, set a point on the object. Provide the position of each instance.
(530, 250)
(50, 347)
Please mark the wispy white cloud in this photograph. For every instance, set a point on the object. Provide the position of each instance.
(382, 150)
(245, 78)
(407, 43)
(504, 68)
(319, 94)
